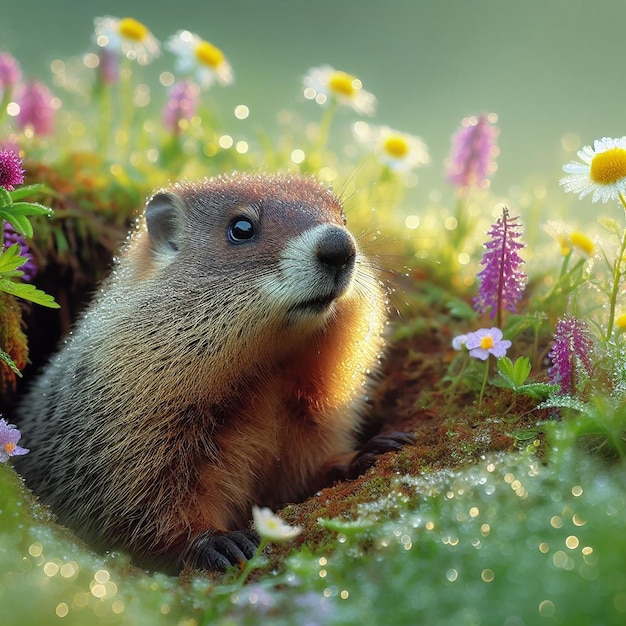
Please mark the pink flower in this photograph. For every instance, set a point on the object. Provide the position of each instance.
(10, 72)
(486, 341)
(109, 67)
(571, 352)
(471, 159)
(181, 104)
(11, 172)
(502, 281)
(36, 108)
(9, 436)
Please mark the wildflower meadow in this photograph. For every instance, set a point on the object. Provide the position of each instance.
(506, 348)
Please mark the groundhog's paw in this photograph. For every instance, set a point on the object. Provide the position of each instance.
(217, 551)
(384, 442)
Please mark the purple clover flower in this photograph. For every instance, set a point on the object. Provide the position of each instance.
(470, 162)
(12, 237)
(572, 349)
(11, 172)
(9, 436)
(501, 280)
(483, 342)
(36, 108)
(181, 104)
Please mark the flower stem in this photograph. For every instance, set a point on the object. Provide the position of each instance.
(617, 275)
(252, 564)
(482, 389)
(325, 123)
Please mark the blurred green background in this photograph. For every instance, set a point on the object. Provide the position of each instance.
(550, 69)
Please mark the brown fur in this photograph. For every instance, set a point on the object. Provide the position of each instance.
(188, 392)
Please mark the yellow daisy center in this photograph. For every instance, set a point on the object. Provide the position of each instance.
(487, 342)
(620, 321)
(343, 84)
(132, 29)
(209, 55)
(396, 146)
(609, 166)
(582, 242)
(9, 448)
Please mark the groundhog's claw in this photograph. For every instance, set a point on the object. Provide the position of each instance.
(219, 551)
(385, 442)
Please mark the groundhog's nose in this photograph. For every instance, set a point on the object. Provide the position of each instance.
(336, 249)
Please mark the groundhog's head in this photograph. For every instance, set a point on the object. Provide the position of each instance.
(279, 242)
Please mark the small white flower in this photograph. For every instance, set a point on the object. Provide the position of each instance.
(273, 527)
(603, 171)
(399, 151)
(326, 83)
(128, 36)
(198, 57)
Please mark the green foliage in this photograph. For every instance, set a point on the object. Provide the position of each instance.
(507, 539)
(515, 375)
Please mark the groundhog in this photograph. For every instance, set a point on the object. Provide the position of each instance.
(223, 364)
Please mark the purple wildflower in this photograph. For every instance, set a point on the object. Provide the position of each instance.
(10, 72)
(459, 342)
(486, 341)
(109, 66)
(36, 108)
(9, 436)
(570, 351)
(181, 104)
(501, 280)
(471, 157)
(11, 172)
(11, 237)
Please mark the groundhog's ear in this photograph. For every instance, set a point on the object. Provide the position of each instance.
(164, 220)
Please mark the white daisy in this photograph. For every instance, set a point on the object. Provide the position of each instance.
(399, 151)
(200, 58)
(128, 36)
(603, 171)
(273, 527)
(326, 83)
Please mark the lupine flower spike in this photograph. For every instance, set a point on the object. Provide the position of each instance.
(570, 353)
(502, 281)
(181, 105)
(471, 161)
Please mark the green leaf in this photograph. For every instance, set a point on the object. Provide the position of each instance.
(5, 198)
(19, 222)
(524, 435)
(10, 362)
(521, 370)
(10, 259)
(28, 190)
(30, 208)
(564, 402)
(460, 309)
(612, 225)
(28, 292)
(538, 391)
(505, 369)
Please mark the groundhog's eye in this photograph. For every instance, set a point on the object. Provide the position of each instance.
(241, 229)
